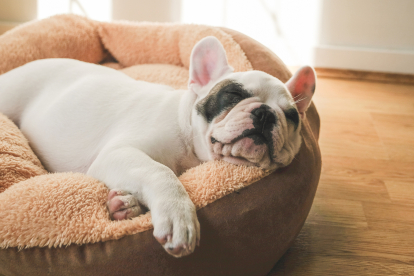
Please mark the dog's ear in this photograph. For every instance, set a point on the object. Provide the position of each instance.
(208, 63)
(302, 87)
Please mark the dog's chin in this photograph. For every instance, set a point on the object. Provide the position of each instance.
(243, 161)
(238, 161)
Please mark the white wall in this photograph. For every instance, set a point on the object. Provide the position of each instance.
(385, 24)
(107, 10)
(146, 10)
(15, 12)
(18, 10)
(372, 35)
(94, 9)
(287, 27)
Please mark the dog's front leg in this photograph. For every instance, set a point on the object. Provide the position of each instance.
(128, 170)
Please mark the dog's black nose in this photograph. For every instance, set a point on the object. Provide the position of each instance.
(260, 113)
(263, 117)
(263, 114)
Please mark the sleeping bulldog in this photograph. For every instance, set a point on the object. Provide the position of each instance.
(137, 137)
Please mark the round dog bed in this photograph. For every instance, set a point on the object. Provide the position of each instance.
(245, 228)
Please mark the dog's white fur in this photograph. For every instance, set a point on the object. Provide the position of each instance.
(137, 137)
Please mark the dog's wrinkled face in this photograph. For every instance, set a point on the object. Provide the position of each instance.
(248, 118)
(252, 120)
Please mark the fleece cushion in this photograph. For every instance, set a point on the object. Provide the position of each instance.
(60, 221)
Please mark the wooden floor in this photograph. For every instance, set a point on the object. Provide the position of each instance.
(362, 219)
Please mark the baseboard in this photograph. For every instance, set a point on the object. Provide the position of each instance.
(364, 59)
(365, 75)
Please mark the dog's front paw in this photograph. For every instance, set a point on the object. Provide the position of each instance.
(123, 205)
(176, 226)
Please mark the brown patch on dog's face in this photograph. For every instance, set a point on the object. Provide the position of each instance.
(222, 97)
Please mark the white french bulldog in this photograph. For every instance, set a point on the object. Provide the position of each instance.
(137, 137)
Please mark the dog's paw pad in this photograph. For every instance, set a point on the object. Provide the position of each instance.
(178, 231)
(122, 205)
(115, 192)
(164, 239)
(177, 250)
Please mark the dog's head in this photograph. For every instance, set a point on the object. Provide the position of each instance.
(249, 118)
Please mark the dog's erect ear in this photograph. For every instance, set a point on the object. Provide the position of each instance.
(208, 63)
(302, 87)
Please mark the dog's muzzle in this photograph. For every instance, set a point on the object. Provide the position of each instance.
(254, 142)
(263, 121)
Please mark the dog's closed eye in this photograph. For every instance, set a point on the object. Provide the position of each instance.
(234, 97)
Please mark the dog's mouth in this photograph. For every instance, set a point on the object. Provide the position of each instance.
(238, 161)
(253, 134)
(245, 136)
(257, 136)
(249, 148)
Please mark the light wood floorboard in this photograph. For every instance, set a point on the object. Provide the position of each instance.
(362, 219)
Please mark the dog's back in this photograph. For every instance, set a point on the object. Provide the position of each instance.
(69, 110)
